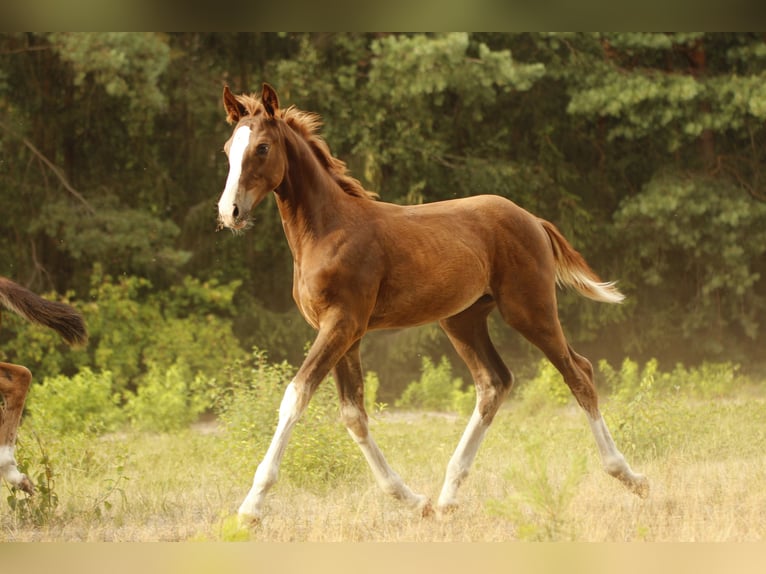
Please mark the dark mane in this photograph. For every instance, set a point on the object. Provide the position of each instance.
(306, 124)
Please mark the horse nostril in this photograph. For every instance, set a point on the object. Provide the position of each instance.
(235, 213)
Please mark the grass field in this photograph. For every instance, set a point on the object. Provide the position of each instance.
(537, 478)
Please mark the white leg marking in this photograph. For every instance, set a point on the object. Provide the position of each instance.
(462, 459)
(6, 456)
(613, 460)
(388, 480)
(8, 469)
(290, 410)
(236, 154)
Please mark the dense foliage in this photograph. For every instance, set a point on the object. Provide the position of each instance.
(645, 149)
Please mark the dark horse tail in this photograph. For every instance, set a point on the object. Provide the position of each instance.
(63, 319)
(573, 270)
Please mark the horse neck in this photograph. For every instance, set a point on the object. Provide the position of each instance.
(308, 198)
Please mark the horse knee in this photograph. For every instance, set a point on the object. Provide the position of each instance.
(355, 420)
(491, 397)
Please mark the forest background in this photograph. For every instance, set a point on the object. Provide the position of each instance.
(647, 150)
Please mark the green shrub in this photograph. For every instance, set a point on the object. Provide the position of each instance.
(120, 323)
(320, 451)
(631, 378)
(167, 399)
(644, 417)
(85, 403)
(247, 397)
(647, 410)
(709, 380)
(545, 390)
(437, 390)
(132, 326)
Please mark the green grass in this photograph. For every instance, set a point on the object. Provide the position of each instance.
(537, 477)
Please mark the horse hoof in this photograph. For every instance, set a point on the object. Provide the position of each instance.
(447, 510)
(426, 509)
(26, 485)
(640, 486)
(248, 520)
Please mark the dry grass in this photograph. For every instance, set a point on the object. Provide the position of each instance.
(537, 478)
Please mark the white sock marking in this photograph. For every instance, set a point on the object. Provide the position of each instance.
(463, 458)
(388, 480)
(6, 456)
(8, 469)
(290, 410)
(613, 460)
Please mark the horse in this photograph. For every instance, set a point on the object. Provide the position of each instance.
(15, 379)
(361, 264)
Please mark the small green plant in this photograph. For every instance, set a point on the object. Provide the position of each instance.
(437, 390)
(371, 386)
(102, 504)
(644, 416)
(40, 508)
(540, 505)
(231, 530)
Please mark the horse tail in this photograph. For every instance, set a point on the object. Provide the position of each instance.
(573, 270)
(62, 318)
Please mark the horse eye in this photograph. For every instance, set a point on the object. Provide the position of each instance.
(262, 149)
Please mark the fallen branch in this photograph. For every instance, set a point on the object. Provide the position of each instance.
(57, 171)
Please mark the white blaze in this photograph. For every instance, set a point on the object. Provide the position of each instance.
(236, 155)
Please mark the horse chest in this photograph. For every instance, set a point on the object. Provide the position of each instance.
(316, 291)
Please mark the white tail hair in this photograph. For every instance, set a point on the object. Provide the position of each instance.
(574, 271)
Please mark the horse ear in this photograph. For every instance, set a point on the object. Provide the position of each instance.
(234, 109)
(270, 99)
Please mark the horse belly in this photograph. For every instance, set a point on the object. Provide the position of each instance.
(420, 297)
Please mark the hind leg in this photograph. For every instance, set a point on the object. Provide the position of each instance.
(348, 378)
(14, 384)
(469, 335)
(612, 459)
(538, 321)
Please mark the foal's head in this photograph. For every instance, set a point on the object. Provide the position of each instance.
(257, 161)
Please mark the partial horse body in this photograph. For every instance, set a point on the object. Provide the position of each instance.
(15, 379)
(361, 264)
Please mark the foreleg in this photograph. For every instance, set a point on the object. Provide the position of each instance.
(333, 340)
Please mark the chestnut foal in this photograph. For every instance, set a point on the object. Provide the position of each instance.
(361, 264)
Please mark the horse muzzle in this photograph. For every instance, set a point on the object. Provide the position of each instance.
(234, 220)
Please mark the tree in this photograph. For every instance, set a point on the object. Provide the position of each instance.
(78, 130)
(645, 149)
